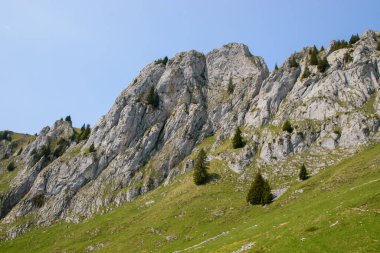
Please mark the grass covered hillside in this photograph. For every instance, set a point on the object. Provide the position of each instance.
(336, 210)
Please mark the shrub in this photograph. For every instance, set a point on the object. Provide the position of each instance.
(306, 73)
(303, 173)
(347, 58)
(322, 49)
(38, 200)
(230, 88)
(237, 140)
(61, 147)
(259, 192)
(354, 39)
(20, 151)
(378, 46)
(68, 119)
(275, 67)
(323, 65)
(11, 166)
(152, 97)
(200, 175)
(293, 63)
(162, 61)
(287, 126)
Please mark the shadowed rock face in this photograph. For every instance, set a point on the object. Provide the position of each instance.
(139, 147)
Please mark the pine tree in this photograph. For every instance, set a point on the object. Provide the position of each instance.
(306, 73)
(293, 63)
(68, 118)
(323, 65)
(255, 193)
(92, 148)
(287, 126)
(314, 56)
(322, 49)
(354, 38)
(275, 67)
(200, 175)
(237, 140)
(303, 173)
(152, 97)
(230, 88)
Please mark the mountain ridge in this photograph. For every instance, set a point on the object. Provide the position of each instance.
(139, 147)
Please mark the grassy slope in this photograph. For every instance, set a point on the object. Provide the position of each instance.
(347, 195)
(19, 141)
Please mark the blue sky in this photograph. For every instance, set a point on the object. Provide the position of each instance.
(73, 57)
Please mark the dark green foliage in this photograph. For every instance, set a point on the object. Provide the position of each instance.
(275, 67)
(260, 192)
(85, 132)
(152, 97)
(68, 119)
(92, 148)
(19, 151)
(306, 73)
(313, 56)
(230, 88)
(11, 166)
(5, 135)
(287, 126)
(303, 173)
(354, 39)
(339, 44)
(347, 58)
(162, 61)
(237, 140)
(293, 63)
(61, 147)
(44, 152)
(38, 200)
(267, 195)
(200, 175)
(323, 65)
(322, 49)
(378, 46)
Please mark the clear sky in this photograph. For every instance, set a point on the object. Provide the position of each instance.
(73, 57)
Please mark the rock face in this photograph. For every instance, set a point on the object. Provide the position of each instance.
(139, 147)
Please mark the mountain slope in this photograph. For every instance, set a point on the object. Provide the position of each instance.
(139, 147)
(339, 204)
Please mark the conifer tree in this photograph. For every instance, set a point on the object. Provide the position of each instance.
(275, 67)
(255, 193)
(323, 65)
(92, 148)
(306, 73)
(237, 140)
(303, 173)
(314, 56)
(293, 63)
(68, 118)
(230, 88)
(200, 175)
(152, 97)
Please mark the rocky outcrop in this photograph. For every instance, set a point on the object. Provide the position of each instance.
(140, 146)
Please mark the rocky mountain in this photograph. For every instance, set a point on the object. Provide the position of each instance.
(139, 146)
